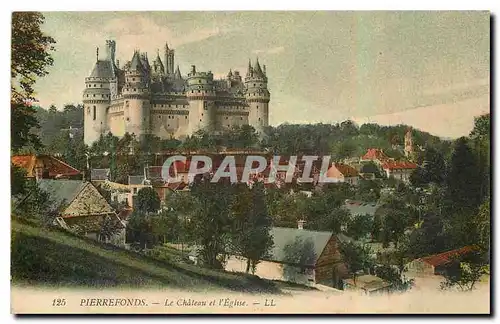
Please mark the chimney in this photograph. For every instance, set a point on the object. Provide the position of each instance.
(300, 224)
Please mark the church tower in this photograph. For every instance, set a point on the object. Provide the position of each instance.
(136, 95)
(409, 143)
(257, 97)
(201, 97)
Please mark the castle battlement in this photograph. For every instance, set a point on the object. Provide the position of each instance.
(144, 98)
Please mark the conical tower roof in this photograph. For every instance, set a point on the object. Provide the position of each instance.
(158, 62)
(136, 64)
(258, 69)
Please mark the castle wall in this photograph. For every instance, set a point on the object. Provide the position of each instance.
(137, 117)
(116, 119)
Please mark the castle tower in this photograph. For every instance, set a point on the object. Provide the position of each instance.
(201, 96)
(158, 67)
(408, 143)
(136, 96)
(257, 97)
(169, 60)
(97, 95)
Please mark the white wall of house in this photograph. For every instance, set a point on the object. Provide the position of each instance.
(399, 174)
(270, 270)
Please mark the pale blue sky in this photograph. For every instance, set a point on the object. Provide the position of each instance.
(426, 69)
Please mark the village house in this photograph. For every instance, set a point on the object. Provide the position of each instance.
(80, 207)
(436, 264)
(375, 155)
(300, 256)
(400, 170)
(99, 175)
(45, 166)
(339, 172)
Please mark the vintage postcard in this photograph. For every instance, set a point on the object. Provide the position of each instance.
(246, 162)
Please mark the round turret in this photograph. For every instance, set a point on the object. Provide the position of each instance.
(257, 97)
(201, 96)
(96, 99)
(136, 96)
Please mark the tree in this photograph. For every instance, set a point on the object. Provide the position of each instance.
(357, 257)
(395, 277)
(483, 224)
(30, 57)
(429, 238)
(30, 53)
(210, 222)
(465, 272)
(359, 226)
(139, 230)
(251, 224)
(109, 227)
(147, 201)
(298, 253)
(463, 179)
(17, 180)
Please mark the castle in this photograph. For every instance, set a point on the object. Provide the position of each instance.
(143, 98)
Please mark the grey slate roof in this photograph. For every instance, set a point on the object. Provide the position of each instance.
(99, 174)
(312, 241)
(361, 208)
(135, 179)
(136, 64)
(102, 69)
(61, 192)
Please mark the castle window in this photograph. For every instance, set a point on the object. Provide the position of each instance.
(227, 117)
(162, 106)
(134, 89)
(133, 79)
(257, 107)
(168, 106)
(199, 81)
(93, 95)
(186, 117)
(94, 113)
(200, 119)
(241, 118)
(254, 84)
(201, 115)
(259, 119)
(101, 85)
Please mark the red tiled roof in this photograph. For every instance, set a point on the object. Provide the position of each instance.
(54, 166)
(446, 257)
(399, 165)
(375, 154)
(346, 170)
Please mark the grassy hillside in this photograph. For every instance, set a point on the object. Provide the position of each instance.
(42, 256)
